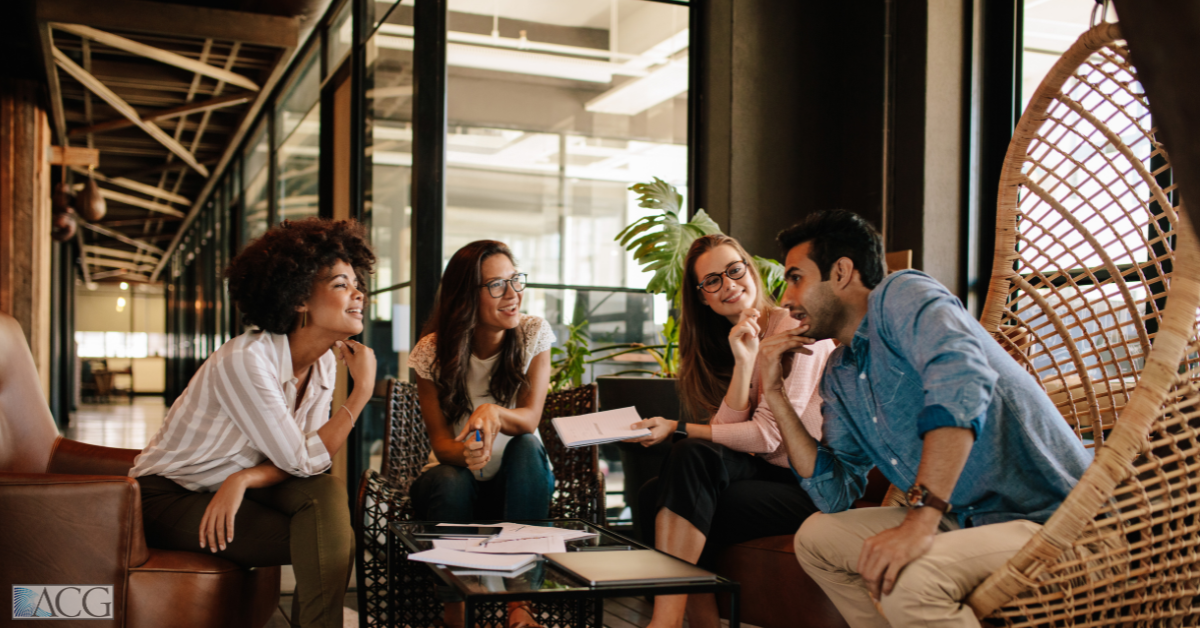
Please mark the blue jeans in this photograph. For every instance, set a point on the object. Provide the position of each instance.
(521, 490)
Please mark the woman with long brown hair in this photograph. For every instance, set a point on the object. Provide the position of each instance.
(727, 479)
(483, 370)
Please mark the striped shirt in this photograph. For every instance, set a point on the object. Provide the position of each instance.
(239, 410)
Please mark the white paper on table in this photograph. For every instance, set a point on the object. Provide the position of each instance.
(526, 531)
(490, 573)
(538, 545)
(455, 558)
(452, 544)
(601, 427)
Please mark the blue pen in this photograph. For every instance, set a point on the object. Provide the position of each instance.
(479, 437)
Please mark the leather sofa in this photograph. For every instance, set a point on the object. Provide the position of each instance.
(70, 516)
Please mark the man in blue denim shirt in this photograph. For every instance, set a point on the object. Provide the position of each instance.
(920, 390)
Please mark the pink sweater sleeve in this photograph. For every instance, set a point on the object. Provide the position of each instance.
(754, 430)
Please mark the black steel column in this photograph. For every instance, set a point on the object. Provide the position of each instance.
(999, 110)
(429, 156)
(697, 132)
(62, 332)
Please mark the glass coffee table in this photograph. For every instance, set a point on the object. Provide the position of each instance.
(417, 591)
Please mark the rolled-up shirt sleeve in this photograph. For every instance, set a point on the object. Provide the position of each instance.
(248, 390)
(934, 331)
(840, 471)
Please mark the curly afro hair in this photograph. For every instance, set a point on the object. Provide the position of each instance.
(274, 275)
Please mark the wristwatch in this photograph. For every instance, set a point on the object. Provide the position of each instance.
(680, 432)
(919, 497)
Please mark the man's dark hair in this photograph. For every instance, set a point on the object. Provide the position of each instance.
(275, 273)
(837, 233)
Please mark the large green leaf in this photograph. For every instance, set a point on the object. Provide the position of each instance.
(771, 272)
(660, 242)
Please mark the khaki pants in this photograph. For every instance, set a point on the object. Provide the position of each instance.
(930, 590)
(303, 522)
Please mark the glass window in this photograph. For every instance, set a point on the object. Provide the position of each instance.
(554, 110)
(299, 169)
(339, 39)
(388, 209)
(391, 12)
(298, 99)
(256, 213)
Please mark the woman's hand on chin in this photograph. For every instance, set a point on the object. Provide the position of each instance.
(486, 419)
(360, 361)
(743, 338)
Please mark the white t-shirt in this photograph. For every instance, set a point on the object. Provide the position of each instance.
(538, 338)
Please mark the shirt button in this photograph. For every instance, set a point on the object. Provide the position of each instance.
(895, 462)
(874, 419)
(862, 375)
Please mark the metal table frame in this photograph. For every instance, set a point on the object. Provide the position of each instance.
(400, 544)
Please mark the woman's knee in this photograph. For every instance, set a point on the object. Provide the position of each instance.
(324, 488)
(524, 446)
(447, 477)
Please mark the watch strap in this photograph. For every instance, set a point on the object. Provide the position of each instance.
(920, 497)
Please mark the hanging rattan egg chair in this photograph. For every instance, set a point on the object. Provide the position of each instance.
(1095, 290)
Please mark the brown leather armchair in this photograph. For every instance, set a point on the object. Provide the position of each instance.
(71, 517)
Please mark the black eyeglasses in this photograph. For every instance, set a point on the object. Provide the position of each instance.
(713, 282)
(496, 287)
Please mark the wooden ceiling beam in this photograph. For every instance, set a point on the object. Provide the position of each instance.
(137, 187)
(56, 102)
(156, 54)
(103, 250)
(176, 20)
(112, 263)
(162, 114)
(73, 156)
(120, 237)
(137, 222)
(124, 275)
(121, 197)
(116, 102)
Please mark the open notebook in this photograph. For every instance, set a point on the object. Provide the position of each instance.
(601, 427)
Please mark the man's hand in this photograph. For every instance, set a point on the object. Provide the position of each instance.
(886, 553)
(777, 354)
(659, 427)
(216, 526)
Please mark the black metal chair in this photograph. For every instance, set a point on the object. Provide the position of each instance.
(383, 498)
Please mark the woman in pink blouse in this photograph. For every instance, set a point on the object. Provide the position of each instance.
(727, 479)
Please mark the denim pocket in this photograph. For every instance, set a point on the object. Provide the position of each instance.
(893, 393)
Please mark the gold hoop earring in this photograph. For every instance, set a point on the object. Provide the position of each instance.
(304, 320)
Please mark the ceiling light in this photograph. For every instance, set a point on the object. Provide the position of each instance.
(120, 304)
(519, 61)
(124, 286)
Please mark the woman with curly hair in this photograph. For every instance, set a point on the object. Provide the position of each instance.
(236, 468)
(727, 479)
(483, 370)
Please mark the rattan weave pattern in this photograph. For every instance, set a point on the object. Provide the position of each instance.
(578, 482)
(1095, 288)
(383, 498)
